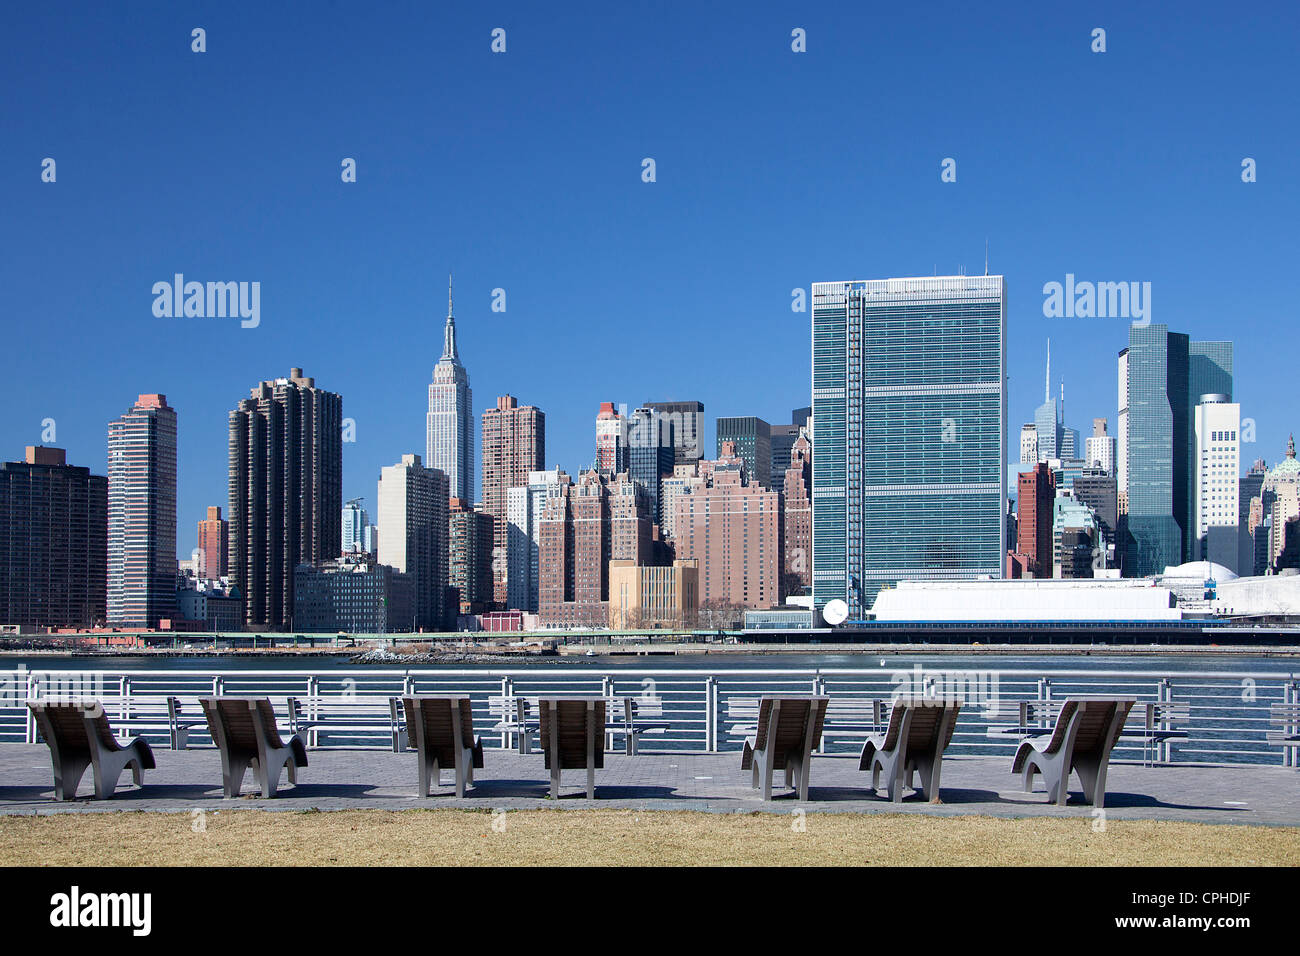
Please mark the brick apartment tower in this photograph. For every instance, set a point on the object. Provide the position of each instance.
(142, 514)
(469, 567)
(286, 491)
(584, 526)
(1035, 494)
(798, 518)
(514, 443)
(214, 544)
(734, 529)
(53, 542)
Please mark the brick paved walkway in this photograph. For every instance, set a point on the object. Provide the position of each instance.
(351, 779)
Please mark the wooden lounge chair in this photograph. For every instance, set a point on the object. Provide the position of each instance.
(789, 730)
(573, 737)
(243, 728)
(1085, 732)
(441, 729)
(919, 731)
(79, 736)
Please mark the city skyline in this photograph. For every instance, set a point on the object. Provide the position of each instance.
(362, 263)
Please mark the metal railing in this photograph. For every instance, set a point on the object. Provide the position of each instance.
(1226, 718)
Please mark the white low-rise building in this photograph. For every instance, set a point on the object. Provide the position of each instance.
(1033, 599)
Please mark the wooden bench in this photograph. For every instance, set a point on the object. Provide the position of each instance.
(626, 717)
(1034, 718)
(847, 718)
(314, 716)
(1285, 718)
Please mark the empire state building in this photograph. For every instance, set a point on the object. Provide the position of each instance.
(449, 426)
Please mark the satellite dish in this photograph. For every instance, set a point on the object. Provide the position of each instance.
(835, 612)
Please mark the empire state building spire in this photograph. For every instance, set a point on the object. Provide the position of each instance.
(449, 333)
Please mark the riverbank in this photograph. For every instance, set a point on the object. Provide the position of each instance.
(497, 654)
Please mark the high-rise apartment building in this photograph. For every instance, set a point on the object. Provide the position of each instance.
(752, 438)
(514, 444)
(524, 506)
(469, 570)
(449, 424)
(214, 544)
(1035, 492)
(286, 491)
(585, 525)
(734, 529)
(142, 514)
(797, 489)
(909, 475)
(687, 423)
(413, 511)
(53, 542)
(611, 439)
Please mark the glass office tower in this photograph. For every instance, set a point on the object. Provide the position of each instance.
(1163, 375)
(909, 423)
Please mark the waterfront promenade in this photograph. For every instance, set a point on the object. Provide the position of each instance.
(190, 780)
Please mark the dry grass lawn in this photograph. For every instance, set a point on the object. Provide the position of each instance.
(623, 837)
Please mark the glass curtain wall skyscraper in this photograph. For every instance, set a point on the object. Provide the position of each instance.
(1162, 377)
(449, 424)
(909, 423)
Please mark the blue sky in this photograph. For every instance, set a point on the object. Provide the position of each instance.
(522, 171)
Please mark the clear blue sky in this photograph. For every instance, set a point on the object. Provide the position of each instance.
(523, 171)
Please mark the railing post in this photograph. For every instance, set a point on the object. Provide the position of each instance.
(711, 714)
(507, 706)
(218, 685)
(1290, 695)
(33, 693)
(607, 692)
(819, 688)
(1166, 694)
(124, 697)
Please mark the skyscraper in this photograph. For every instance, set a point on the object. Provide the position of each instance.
(286, 491)
(413, 511)
(734, 528)
(650, 453)
(797, 502)
(449, 425)
(1048, 418)
(584, 526)
(524, 506)
(1156, 442)
(214, 544)
(53, 541)
(1100, 447)
(753, 440)
(355, 520)
(611, 439)
(687, 422)
(1035, 492)
(514, 444)
(142, 514)
(909, 474)
(1217, 480)
(469, 571)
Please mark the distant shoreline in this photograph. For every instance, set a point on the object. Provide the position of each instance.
(688, 650)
